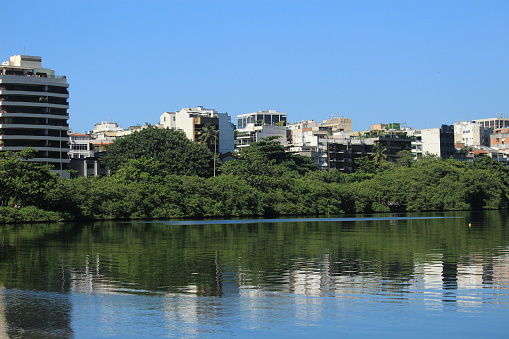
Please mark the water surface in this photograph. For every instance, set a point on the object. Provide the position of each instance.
(419, 275)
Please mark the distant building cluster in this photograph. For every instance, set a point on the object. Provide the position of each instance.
(33, 113)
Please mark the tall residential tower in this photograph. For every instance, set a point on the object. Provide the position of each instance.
(33, 110)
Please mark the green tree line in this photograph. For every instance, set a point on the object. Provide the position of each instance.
(160, 174)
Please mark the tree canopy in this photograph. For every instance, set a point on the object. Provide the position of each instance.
(23, 182)
(170, 147)
(157, 177)
(267, 158)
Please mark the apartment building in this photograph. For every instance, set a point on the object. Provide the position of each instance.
(254, 126)
(297, 132)
(434, 141)
(471, 133)
(338, 124)
(390, 137)
(493, 123)
(192, 120)
(33, 110)
(80, 146)
(86, 149)
(499, 139)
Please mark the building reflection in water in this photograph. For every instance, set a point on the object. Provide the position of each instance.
(440, 281)
(36, 314)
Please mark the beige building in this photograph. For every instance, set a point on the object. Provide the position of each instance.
(468, 133)
(192, 120)
(338, 124)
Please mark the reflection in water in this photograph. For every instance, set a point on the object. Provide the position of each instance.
(449, 278)
(155, 279)
(3, 322)
(37, 314)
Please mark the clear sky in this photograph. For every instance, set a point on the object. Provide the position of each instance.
(423, 63)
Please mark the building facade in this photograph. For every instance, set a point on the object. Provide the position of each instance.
(80, 146)
(87, 149)
(255, 126)
(391, 138)
(499, 139)
(338, 124)
(33, 110)
(493, 123)
(434, 141)
(342, 154)
(261, 118)
(469, 133)
(339, 153)
(192, 120)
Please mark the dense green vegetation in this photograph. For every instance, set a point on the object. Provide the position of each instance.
(170, 147)
(264, 180)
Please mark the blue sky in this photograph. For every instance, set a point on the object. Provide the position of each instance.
(423, 63)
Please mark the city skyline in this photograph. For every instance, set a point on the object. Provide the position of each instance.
(423, 63)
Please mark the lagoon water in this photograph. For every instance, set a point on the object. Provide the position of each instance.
(405, 275)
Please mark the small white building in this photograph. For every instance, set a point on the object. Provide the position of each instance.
(106, 126)
(86, 149)
(80, 146)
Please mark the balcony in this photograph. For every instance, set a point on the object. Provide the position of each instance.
(34, 104)
(15, 72)
(32, 79)
(4, 91)
(5, 114)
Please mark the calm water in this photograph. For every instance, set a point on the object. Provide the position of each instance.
(414, 275)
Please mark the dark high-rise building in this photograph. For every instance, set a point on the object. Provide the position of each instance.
(33, 110)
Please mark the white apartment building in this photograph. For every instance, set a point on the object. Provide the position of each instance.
(253, 127)
(33, 110)
(261, 118)
(295, 131)
(493, 123)
(430, 138)
(304, 133)
(80, 146)
(191, 120)
(469, 133)
(106, 127)
(86, 145)
(86, 149)
(433, 141)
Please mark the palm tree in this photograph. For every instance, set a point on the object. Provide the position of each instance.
(379, 153)
(208, 136)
